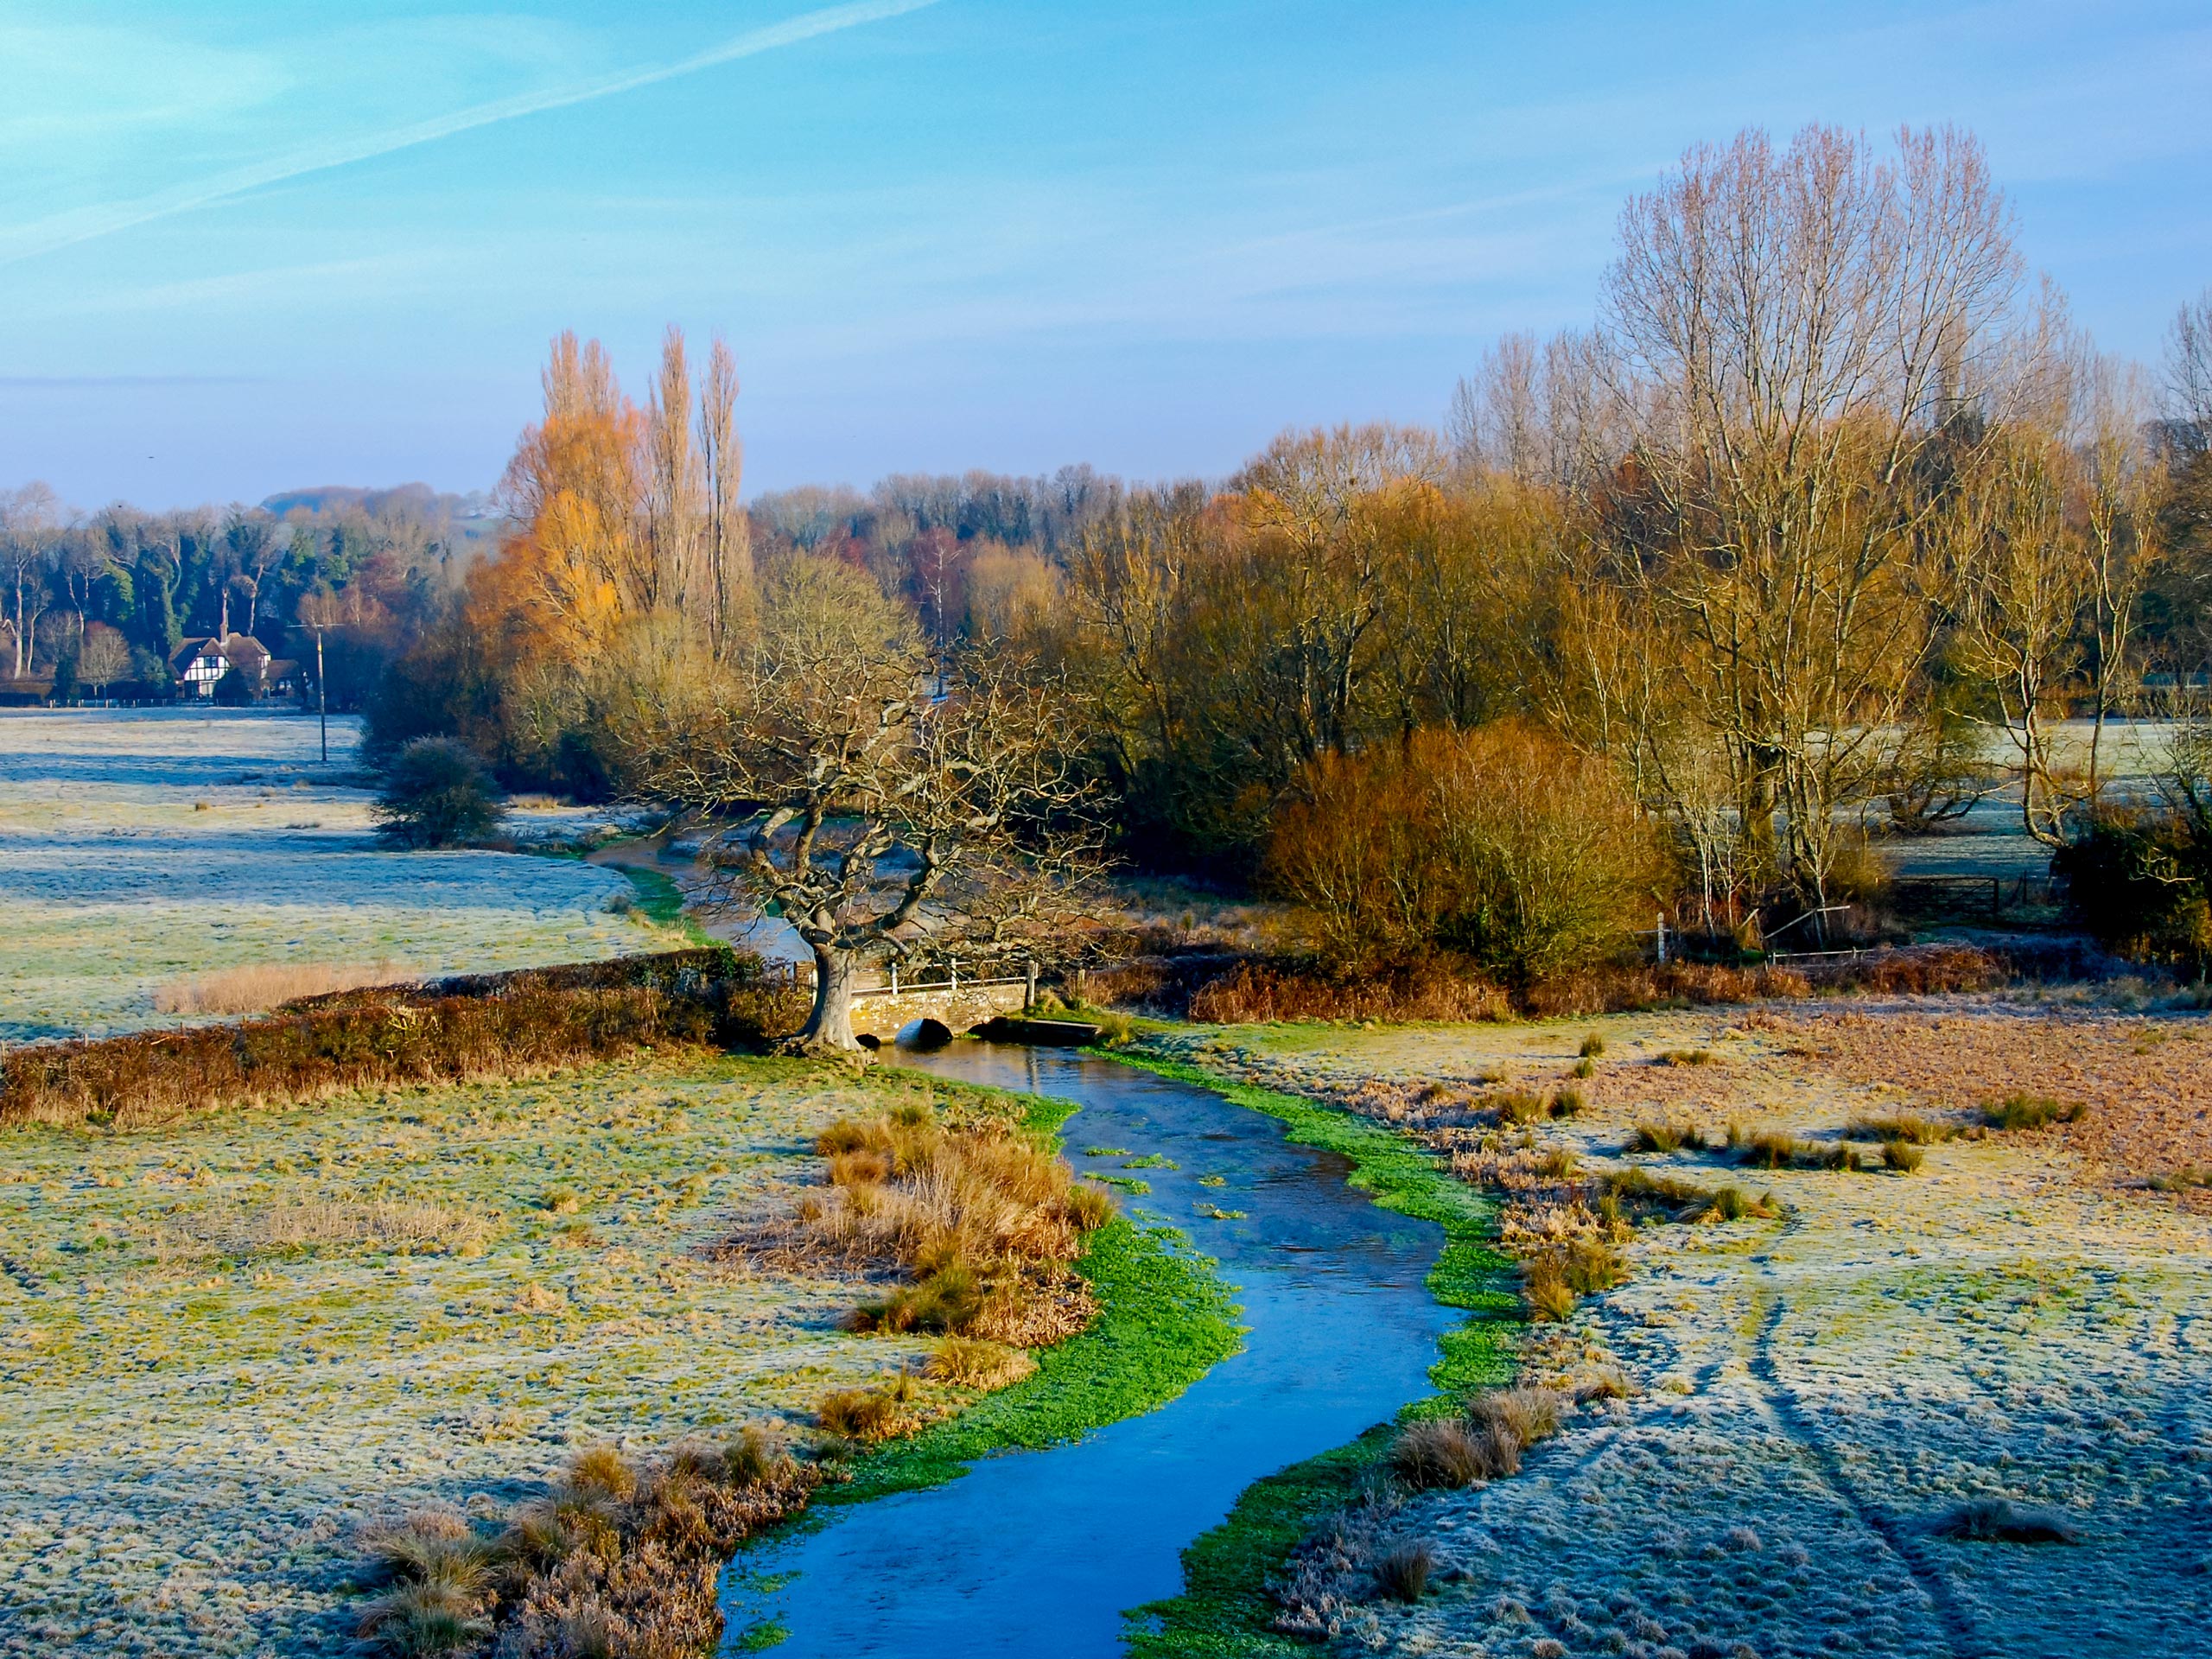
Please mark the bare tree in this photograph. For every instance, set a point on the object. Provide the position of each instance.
(880, 821)
(1796, 331)
(728, 531)
(675, 522)
(103, 658)
(2189, 375)
(30, 525)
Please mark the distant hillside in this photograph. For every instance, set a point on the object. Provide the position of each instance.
(471, 516)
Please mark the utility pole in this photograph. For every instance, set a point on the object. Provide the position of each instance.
(321, 691)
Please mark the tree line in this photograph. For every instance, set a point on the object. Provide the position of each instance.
(1816, 531)
(102, 601)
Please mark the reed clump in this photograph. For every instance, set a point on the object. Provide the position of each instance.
(981, 1225)
(1484, 1442)
(621, 1555)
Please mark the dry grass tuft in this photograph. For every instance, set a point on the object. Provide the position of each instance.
(984, 1222)
(1772, 1149)
(1528, 1414)
(1904, 1126)
(2033, 1112)
(1666, 1137)
(1638, 1192)
(1402, 1573)
(1593, 1045)
(287, 1228)
(1904, 1156)
(439, 1591)
(622, 1556)
(266, 985)
(973, 1362)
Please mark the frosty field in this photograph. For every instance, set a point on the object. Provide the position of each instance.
(228, 1346)
(2019, 1318)
(136, 847)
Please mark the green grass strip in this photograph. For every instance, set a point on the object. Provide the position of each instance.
(662, 900)
(1225, 1611)
(1165, 1319)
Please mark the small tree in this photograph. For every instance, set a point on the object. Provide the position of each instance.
(879, 820)
(103, 658)
(435, 794)
(235, 689)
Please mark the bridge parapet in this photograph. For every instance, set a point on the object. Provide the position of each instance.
(881, 1013)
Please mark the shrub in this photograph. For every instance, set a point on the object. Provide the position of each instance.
(2033, 1112)
(2137, 882)
(1501, 843)
(1568, 1101)
(1689, 1056)
(435, 793)
(479, 1026)
(1902, 1155)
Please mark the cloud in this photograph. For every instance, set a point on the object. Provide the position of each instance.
(121, 382)
(105, 219)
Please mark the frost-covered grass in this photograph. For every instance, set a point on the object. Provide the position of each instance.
(223, 1348)
(1814, 1393)
(138, 847)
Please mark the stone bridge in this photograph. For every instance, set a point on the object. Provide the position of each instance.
(881, 1013)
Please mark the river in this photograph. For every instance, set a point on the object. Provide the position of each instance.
(1040, 1552)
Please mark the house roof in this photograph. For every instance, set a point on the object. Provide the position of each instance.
(237, 650)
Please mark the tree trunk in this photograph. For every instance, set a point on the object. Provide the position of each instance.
(829, 1029)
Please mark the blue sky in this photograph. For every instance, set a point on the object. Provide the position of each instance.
(247, 245)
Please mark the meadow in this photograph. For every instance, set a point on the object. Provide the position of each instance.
(231, 1345)
(139, 850)
(1944, 1408)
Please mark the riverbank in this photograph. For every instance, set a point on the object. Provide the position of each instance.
(232, 1343)
(1225, 1610)
(1940, 1407)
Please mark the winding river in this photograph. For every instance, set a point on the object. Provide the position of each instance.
(1039, 1551)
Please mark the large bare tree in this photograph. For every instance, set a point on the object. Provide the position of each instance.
(881, 819)
(1798, 332)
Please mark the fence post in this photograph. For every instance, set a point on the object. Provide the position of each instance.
(1029, 986)
(894, 977)
(1662, 938)
(952, 967)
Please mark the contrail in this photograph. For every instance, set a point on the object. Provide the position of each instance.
(84, 224)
